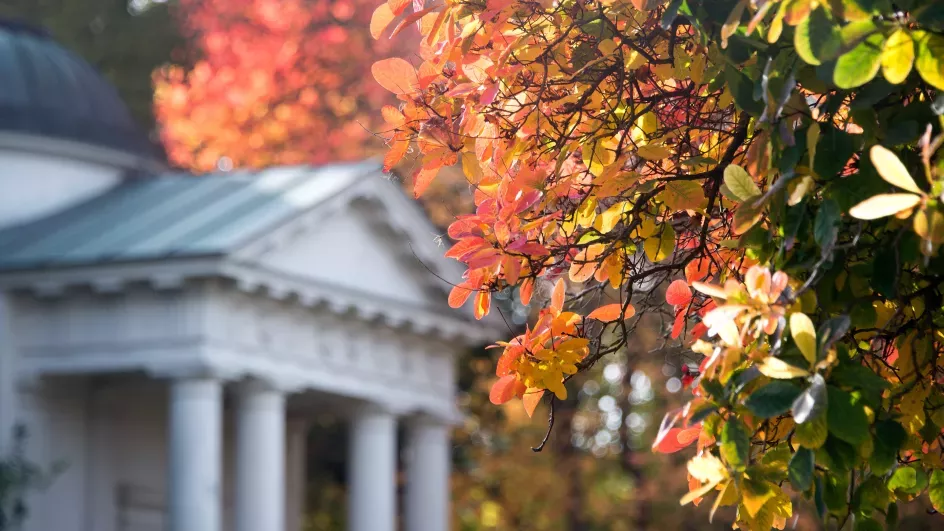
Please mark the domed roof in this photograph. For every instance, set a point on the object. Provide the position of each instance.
(49, 91)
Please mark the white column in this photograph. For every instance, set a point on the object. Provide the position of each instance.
(194, 495)
(296, 474)
(372, 467)
(427, 488)
(260, 458)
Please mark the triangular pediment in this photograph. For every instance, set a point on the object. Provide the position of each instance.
(368, 239)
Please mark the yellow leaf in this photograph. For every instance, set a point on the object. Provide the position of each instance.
(607, 47)
(611, 216)
(890, 167)
(746, 216)
(697, 493)
(707, 467)
(812, 137)
(658, 247)
(740, 183)
(471, 168)
(650, 152)
(772, 367)
(812, 433)
(930, 59)
(929, 224)
(898, 56)
(883, 205)
(755, 494)
(728, 496)
(804, 335)
(798, 188)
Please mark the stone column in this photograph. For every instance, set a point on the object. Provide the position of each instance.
(427, 488)
(195, 445)
(372, 467)
(260, 458)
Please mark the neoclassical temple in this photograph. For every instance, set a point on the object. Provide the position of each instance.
(167, 337)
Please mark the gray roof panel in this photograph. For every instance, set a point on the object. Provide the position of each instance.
(173, 215)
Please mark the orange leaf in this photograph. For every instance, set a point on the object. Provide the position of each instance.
(612, 312)
(411, 19)
(678, 293)
(503, 390)
(531, 399)
(526, 290)
(422, 180)
(459, 295)
(397, 6)
(398, 149)
(379, 21)
(482, 302)
(395, 74)
(557, 297)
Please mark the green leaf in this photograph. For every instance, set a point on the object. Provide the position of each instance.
(898, 56)
(817, 38)
(735, 443)
(867, 523)
(826, 223)
(891, 517)
(846, 416)
(930, 60)
(812, 402)
(859, 65)
(904, 479)
(740, 183)
(773, 399)
(936, 490)
(801, 469)
(889, 436)
(859, 377)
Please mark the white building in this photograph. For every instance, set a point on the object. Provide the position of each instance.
(166, 336)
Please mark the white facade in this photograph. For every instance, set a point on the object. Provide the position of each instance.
(176, 388)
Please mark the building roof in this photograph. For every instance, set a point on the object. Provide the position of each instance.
(175, 215)
(49, 91)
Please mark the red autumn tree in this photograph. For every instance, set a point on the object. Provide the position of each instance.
(273, 82)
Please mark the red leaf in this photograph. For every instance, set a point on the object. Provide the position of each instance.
(459, 295)
(677, 439)
(679, 323)
(503, 390)
(678, 293)
(379, 21)
(531, 399)
(395, 154)
(612, 312)
(395, 74)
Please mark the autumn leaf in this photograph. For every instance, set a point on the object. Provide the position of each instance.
(379, 21)
(740, 183)
(503, 390)
(678, 293)
(776, 368)
(612, 312)
(531, 399)
(396, 75)
(892, 170)
(458, 295)
(804, 335)
(882, 205)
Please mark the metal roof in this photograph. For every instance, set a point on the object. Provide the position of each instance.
(173, 215)
(51, 92)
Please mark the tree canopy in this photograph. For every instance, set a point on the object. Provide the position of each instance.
(773, 164)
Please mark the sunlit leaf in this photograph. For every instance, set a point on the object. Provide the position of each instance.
(683, 195)
(379, 21)
(816, 38)
(612, 312)
(930, 58)
(859, 65)
(890, 167)
(804, 335)
(531, 399)
(740, 183)
(735, 443)
(396, 75)
(678, 293)
(898, 56)
(882, 205)
(772, 367)
(503, 390)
